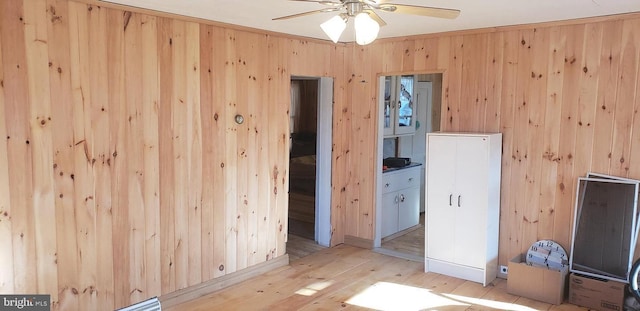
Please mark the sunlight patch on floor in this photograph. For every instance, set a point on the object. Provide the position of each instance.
(391, 296)
(311, 289)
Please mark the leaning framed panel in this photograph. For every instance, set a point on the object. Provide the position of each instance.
(604, 227)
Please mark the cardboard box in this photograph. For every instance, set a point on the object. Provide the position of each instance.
(536, 283)
(596, 293)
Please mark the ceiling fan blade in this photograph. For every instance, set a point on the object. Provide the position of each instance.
(306, 13)
(420, 10)
(324, 2)
(373, 3)
(375, 17)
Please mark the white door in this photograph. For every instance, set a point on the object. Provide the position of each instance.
(440, 190)
(389, 213)
(471, 200)
(408, 208)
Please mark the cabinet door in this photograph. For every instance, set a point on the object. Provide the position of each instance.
(408, 208)
(440, 218)
(387, 97)
(389, 213)
(471, 200)
(405, 105)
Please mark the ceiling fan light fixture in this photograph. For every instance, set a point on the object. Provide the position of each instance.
(366, 28)
(334, 27)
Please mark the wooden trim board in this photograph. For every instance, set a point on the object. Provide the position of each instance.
(358, 242)
(203, 289)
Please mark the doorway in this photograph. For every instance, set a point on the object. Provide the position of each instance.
(409, 243)
(310, 127)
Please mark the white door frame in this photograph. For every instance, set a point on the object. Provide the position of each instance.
(377, 237)
(324, 139)
(323, 161)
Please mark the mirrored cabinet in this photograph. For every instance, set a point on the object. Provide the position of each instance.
(399, 104)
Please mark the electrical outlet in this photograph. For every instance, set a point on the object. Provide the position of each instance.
(504, 269)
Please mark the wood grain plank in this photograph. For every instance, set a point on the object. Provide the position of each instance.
(472, 68)
(134, 148)
(339, 151)
(6, 257)
(150, 90)
(218, 131)
(509, 214)
(231, 172)
(624, 103)
(550, 138)
(350, 213)
(634, 36)
(280, 139)
(364, 107)
(606, 99)
(117, 157)
(96, 20)
(587, 99)
(278, 74)
(451, 106)
(494, 63)
(165, 146)
(536, 83)
(70, 83)
(194, 155)
(243, 83)
(566, 179)
(519, 171)
(253, 124)
(444, 50)
(36, 49)
(261, 116)
(180, 115)
(210, 161)
(19, 152)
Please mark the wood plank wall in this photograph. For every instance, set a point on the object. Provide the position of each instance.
(565, 96)
(123, 175)
(122, 172)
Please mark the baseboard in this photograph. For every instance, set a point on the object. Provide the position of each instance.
(358, 242)
(398, 254)
(211, 286)
(403, 232)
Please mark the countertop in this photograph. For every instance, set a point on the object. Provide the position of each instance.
(395, 169)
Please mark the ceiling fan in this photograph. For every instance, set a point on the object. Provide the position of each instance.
(366, 21)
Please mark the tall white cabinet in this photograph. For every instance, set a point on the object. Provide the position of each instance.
(463, 205)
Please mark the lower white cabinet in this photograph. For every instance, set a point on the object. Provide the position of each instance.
(400, 200)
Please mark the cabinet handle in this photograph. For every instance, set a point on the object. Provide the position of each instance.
(396, 200)
(386, 185)
(450, 197)
(402, 198)
(411, 179)
(459, 196)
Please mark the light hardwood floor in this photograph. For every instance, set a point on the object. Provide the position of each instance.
(298, 247)
(409, 242)
(350, 278)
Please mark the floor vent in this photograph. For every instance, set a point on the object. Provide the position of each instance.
(152, 304)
